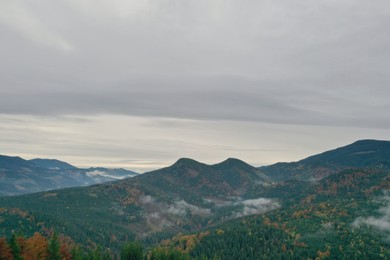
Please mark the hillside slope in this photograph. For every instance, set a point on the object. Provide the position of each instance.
(360, 154)
(343, 216)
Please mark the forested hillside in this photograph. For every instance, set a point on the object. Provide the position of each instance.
(342, 217)
(229, 210)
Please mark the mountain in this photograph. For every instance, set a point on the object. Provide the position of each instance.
(360, 154)
(19, 176)
(52, 164)
(186, 196)
(241, 212)
(231, 177)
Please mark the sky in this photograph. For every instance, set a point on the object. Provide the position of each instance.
(139, 84)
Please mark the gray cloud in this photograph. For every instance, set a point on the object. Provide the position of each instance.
(162, 214)
(246, 207)
(178, 208)
(147, 199)
(255, 206)
(181, 207)
(159, 215)
(305, 62)
(259, 205)
(381, 222)
(237, 104)
(19, 18)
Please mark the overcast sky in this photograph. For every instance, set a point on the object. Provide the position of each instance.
(141, 83)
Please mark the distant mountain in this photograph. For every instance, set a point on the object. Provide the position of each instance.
(186, 196)
(19, 176)
(361, 154)
(52, 164)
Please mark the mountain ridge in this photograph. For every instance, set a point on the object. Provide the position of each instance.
(20, 176)
(52, 164)
(190, 196)
(360, 154)
(186, 196)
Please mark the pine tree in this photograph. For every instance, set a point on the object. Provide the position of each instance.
(54, 248)
(132, 251)
(77, 253)
(99, 254)
(15, 248)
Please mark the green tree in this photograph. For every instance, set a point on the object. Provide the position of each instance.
(54, 248)
(132, 251)
(159, 253)
(99, 254)
(15, 248)
(77, 253)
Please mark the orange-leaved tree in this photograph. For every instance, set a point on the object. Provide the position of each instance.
(5, 250)
(35, 247)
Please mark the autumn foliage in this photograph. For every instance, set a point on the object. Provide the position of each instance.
(5, 250)
(33, 248)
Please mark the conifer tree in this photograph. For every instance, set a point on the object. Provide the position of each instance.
(132, 251)
(77, 253)
(54, 248)
(15, 248)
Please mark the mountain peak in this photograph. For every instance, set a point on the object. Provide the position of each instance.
(358, 154)
(13, 161)
(7, 157)
(232, 162)
(52, 164)
(228, 163)
(186, 163)
(370, 141)
(185, 160)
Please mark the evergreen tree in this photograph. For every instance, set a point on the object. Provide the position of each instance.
(99, 254)
(15, 248)
(132, 251)
(77, 253)
(54, 248)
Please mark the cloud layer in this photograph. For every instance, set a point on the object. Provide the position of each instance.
(256, 206)
(303, 62)
(160, 215)
(381, 222)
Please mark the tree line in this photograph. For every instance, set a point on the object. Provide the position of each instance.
(38, 247)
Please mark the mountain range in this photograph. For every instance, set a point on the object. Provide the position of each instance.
(306, 207)
(19, 176)
(361, 154)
